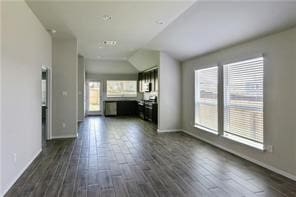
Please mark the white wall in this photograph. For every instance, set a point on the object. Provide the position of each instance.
(64, 88)
(81, 85)
(144, 59)
(169, 106)
(109, 67)
(25, 47)
(279, 99)
(103, 79)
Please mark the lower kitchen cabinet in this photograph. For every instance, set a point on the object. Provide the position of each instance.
(155, 113)
(123, 107)
(127, 108)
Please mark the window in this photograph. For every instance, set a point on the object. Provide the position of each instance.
(121, 88)
(43, 92)
(243, 101)
(206, 102)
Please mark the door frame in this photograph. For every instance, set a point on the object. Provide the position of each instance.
(48, 101)
(87, 98)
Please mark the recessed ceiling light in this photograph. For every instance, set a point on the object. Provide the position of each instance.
(107, 17)
(159, 22)
(110, 43)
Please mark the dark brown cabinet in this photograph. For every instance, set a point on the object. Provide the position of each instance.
(156, 80)
(140, 82)
(127, 108)
(123, 107)
(148, 78)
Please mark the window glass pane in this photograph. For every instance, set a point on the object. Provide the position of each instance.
(243, 100)
(121, 88)
(43, 88)
(206, 102)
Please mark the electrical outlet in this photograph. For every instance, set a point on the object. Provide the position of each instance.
(64, 125)
(269, 148)
(14, 157)
(65, 93)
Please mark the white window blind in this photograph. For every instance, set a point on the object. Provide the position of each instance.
(206, 102)
(121, 88)
(243, 101)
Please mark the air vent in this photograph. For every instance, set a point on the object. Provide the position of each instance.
(110, 43)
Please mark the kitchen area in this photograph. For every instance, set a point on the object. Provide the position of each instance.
(148, 87)
(144, 105)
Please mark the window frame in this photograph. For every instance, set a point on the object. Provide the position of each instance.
(220, 97)
(122, 96)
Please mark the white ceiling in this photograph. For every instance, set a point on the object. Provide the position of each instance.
(133, 23)
(209, 26)
(190, 29)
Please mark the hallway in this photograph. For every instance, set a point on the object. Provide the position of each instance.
(126, 157)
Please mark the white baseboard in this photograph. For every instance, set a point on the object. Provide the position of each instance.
(5, 190)
(168, 130)
(264, 165)
(65, 136)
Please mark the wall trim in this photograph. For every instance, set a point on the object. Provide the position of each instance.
(264, 165)
(21, 172)
(168, 130)
(65, 136)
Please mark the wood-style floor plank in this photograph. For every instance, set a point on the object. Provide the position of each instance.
(125, 157)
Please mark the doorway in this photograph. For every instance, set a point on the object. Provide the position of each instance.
(94, 97)
(45, 105)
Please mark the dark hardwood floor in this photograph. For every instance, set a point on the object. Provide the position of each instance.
(126, 157)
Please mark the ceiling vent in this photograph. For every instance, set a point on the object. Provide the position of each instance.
(110, 43)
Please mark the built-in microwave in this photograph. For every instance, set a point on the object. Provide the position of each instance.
(147, 87)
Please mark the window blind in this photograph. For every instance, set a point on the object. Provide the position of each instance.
(121, 88)
(243, 101)
(206, 101)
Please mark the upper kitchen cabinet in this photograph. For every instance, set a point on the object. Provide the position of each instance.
(140, 82)
(156, 80)
(148, 81)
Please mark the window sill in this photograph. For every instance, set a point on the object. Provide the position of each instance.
(206, 129)
(246, 142)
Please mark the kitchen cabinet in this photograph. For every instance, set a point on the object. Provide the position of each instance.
(152, 81)
(127, 108)
(122, 107)
(156, 80)
(140, 82)
(155, 113)
(148, 77)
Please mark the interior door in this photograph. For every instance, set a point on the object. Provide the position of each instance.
(94, 97)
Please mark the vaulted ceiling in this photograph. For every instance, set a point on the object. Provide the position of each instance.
(132, 24)
(211, 25)
(183, 29)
